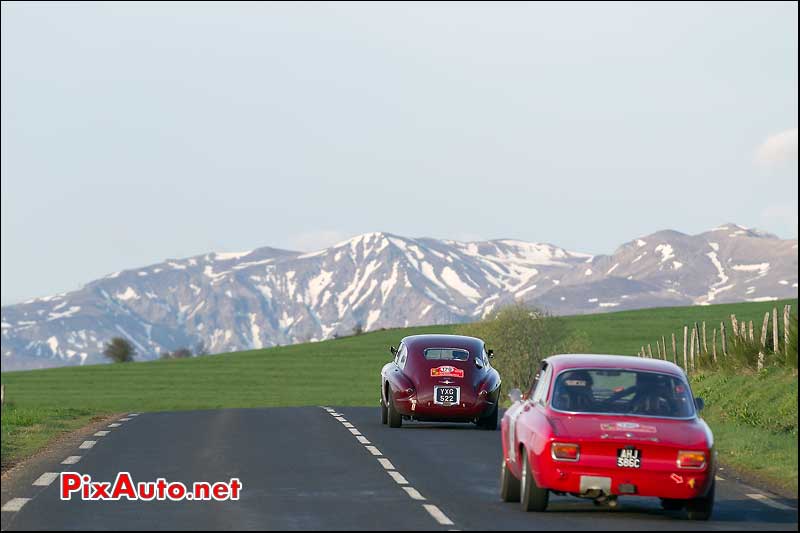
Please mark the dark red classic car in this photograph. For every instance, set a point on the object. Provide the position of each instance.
(600, 426)
(441, 378)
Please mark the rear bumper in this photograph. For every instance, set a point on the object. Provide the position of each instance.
(574, 478)
(427, 410)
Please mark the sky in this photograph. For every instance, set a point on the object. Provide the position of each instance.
(132, 133)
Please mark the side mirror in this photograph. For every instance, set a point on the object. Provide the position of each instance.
(699, 404)
(490, 353)
(393, 350)
(515, 395)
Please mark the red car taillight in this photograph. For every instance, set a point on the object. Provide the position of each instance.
(691, 459)
(565, 452)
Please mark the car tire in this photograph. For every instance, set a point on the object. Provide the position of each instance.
(532, 497)
(384, 412)
(395, 419)
(489, 421)
(671, 504)
(701, 508)
(509, 485)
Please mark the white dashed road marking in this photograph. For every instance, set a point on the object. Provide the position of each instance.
(766, 500)
(398, 477)
(85, 445)
(114, 425)
(15, 504)
(101, 433)
(71, 460)
(386, 463)
(413, 493)
(45, 479)
(438, 515)
(124, 419)
(134, 414)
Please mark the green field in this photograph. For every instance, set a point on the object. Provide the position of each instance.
(336, 372)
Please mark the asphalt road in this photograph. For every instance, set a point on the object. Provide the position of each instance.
(312, 468)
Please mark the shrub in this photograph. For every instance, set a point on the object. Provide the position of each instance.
(521, 337)
(119, 350)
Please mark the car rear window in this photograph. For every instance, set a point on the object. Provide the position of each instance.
(623, 392)
(446, 354)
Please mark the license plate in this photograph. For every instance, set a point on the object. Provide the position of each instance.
(446, 395)
(629, 458)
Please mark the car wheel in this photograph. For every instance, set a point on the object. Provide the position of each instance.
(395, 419)
(509, 485)
(384, 412)
(701, 508)
(670, 504)
(532, 497)
(489, 421)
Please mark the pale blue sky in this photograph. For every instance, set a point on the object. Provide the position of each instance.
(136, 132)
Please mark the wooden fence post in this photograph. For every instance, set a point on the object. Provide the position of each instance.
(674, 350)
(735, 325)
(649, 351)
(705, 344)
(787, 309)
(743, 330)
(691, 350)
(685, 354)
(775, 343)
(714, 345)
(664, 345)
(750, 331)
(724, 339)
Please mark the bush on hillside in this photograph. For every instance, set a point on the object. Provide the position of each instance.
(119, 350)
(521, 337)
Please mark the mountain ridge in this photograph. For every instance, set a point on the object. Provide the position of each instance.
(267, 296)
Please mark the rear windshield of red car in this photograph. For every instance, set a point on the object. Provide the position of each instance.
(446, 354)
(622, 392)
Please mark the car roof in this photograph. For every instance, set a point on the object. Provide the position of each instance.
(436, 340)
(628, 362)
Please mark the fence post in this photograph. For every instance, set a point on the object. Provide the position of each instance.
(775, 342)
(649, 351)
(685, 354)
(674, 350)
(743, 330)
(705, 344)
(714, 345)
(664, 345)
(735, 325)
(787, 309)
(724, 339)
(750, 332)
(691, 350)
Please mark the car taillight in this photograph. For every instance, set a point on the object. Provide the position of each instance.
(565, 452)
(690, 459)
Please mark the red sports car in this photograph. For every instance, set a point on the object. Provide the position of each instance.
(600, 426)
(442, 378)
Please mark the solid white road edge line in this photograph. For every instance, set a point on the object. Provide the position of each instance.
(71, 460)
(14, 504)
(85, 445)
(397, 477)
(386, 463)
(45, 479)
(413, 493)
(437, 514)
(766, 500)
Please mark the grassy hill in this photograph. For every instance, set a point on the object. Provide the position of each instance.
(336, 372)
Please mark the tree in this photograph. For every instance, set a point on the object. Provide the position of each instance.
(521, 337)
(358, 329)
(182, 353)
(119, 350)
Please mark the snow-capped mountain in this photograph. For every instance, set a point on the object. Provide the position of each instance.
(266, 296)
